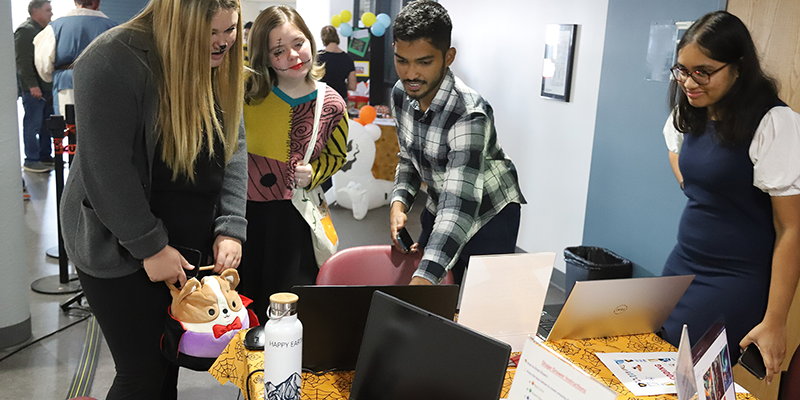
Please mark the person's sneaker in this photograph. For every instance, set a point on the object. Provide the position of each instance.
(36, 166)
(25, 194)
(48, 161)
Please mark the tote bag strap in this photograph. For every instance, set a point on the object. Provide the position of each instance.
(317, 111)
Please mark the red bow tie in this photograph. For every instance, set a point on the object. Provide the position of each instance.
(220, 330)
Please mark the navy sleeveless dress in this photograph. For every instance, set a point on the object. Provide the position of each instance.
(725, 238)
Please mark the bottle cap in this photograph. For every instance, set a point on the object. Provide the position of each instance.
(282, 304)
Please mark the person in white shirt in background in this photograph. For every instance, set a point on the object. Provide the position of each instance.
(58, 45)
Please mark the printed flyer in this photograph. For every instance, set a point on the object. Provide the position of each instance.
(542, 374)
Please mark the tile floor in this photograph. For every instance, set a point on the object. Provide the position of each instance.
(45, 368)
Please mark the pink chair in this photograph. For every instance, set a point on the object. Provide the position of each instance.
(790, 379)
(371, 265)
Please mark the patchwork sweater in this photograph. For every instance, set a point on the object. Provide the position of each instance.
(278, 133)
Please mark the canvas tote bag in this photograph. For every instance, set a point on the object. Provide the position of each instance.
(311, 203)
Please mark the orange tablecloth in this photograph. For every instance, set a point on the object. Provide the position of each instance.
(581, 353)
(243, 367)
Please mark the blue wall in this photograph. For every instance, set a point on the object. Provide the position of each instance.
(122, 10)
(634, 202)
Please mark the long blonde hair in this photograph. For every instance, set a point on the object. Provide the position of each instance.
(193, 96)
(262, 77)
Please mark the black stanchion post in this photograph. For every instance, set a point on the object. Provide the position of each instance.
(63, 282)
(72, 139)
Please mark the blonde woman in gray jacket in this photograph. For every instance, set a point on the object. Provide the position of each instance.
(158, 184)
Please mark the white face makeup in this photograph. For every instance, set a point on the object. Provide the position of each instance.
(223, 34)
(289, 52)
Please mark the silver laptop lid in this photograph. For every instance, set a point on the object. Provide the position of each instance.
(615, 307)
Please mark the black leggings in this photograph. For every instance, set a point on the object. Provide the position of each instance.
(131, 312)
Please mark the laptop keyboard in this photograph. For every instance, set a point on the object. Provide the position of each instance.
(546, 323)
(550, 313)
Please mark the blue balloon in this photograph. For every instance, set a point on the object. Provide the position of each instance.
(378, 29)
(385, 20)
(345, 29)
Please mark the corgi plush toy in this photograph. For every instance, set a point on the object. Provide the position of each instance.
(203, 318)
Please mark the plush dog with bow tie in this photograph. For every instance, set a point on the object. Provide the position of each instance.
(203, 318)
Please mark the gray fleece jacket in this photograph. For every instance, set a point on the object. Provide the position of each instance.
(105, 212)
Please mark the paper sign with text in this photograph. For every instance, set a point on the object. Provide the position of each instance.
(644, 374)
(544, 375)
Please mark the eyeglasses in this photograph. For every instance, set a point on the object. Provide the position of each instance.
(700, 77)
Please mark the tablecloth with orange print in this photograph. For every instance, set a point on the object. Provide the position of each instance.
(244, 368)
(582, 354)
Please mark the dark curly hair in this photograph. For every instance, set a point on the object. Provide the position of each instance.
(424, 20)
(724, 38)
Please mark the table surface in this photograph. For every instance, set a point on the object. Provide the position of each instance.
(242, 367)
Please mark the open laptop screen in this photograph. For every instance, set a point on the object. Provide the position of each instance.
(334, 317)
(409, 353)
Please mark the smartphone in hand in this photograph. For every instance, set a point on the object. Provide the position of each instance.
(752, 361)
(405, 240)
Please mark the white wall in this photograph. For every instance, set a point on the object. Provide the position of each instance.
(251, 8)
(19, 10)
(318, 13)
(500, 49)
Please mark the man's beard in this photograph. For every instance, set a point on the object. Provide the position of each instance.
(435, 86)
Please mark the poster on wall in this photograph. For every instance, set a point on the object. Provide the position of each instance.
(559, 52)
(362, 68)
(359, 42)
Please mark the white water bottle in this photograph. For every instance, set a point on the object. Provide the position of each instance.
(283, 349)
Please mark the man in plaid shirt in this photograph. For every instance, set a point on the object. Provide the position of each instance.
(448, 141)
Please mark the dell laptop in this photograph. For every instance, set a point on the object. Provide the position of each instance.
(614, 307)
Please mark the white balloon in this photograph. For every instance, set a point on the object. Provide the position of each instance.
(374, 131)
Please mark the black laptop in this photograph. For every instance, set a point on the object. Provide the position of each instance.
(410, 353)
(334, 318)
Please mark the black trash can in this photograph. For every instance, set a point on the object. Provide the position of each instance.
(586, 263)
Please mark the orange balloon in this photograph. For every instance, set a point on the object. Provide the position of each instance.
(358, 120)
(367, 114)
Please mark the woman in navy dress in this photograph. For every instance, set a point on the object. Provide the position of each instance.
(735, 150)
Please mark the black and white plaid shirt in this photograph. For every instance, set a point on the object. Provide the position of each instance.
(453, 148)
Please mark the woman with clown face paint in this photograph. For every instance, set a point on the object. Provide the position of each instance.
(280, 99)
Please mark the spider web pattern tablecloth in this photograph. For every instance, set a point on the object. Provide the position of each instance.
(244, 368)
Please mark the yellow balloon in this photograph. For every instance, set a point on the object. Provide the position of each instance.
(368, 19)
(345, 15)
(336, 21)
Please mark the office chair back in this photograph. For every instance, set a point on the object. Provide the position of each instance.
(371, 265)
(790, 379)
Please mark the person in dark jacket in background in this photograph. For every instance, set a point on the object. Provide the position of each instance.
(37, 95)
